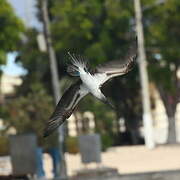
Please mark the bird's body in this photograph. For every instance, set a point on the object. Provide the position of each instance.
(92, 83)
(88, 83)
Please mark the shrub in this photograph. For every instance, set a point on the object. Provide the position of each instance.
(72, 145)
(4, 146)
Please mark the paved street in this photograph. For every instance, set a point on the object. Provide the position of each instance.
(129, 159)
(133, 159)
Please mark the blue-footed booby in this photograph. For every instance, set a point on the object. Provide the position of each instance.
(89, 82)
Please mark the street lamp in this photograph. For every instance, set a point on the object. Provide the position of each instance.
(147, 116)
(55, 82)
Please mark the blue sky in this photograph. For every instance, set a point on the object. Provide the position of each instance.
(11, 68)
(26, 10)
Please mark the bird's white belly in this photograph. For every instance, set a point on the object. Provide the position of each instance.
(89, 81)
(92, 82)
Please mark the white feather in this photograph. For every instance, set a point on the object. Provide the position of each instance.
(78, 63)
(91, 82)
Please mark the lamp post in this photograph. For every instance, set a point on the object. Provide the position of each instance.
(147, 116)
(55, 82)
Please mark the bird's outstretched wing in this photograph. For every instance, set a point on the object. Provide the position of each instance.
(119, 67)
(65, 107)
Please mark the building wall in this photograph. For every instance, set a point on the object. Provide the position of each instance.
(7, 88)
(160, 119)
(8, 84)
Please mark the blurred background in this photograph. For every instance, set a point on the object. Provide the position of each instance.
(139, 137)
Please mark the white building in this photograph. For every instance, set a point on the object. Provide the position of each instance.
(7, 88)
(8, 84)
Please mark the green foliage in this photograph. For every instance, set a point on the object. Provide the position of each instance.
(163, 36)
(107, 141)
(94, 27)
(98, 29)
(72, 145)
(101, 30)
(11, 27)
(104, 116)
(4, 146)
(35, 62)
(104, 119)
(29, 114)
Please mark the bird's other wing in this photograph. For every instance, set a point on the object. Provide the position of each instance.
(119, 67)
(65, 107)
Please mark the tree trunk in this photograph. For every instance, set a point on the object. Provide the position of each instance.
(134, 136)
(171, 130)
(170, 104)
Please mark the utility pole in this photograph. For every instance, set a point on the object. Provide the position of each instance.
(55, 82)
(147, 116)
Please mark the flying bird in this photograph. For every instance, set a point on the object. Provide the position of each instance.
(89, 82)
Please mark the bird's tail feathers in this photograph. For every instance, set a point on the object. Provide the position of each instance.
(78, 62)
(73, 70)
